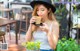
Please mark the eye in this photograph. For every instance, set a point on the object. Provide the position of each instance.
(42, 9)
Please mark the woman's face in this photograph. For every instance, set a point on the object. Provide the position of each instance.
(42, 11)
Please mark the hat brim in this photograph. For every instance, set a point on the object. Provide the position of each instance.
(33, 3)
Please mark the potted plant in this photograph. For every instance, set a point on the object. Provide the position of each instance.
(67, 45)
(31, 46)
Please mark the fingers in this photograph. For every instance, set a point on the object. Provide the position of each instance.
(42, 27)
(44, 24)
(32, 20)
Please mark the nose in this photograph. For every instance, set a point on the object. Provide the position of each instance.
(39, 13)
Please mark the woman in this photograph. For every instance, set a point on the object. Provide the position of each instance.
(48, 32)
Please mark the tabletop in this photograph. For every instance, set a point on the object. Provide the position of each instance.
(4, 22)
(5, 9)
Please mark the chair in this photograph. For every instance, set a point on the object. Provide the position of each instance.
(8, 16)
(2, 36)
(8, 29)
(24, 19)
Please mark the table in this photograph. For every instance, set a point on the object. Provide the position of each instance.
(4, 22)
(14, 47)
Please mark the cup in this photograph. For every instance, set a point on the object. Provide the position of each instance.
(38, 20)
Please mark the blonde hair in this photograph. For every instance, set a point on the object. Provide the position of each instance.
(51, 16)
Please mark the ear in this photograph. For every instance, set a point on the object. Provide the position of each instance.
(49, 10)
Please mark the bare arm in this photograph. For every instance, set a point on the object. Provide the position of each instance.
(30, 30)
(54, 35)
(29, 34)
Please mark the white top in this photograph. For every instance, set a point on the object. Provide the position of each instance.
(41, 36)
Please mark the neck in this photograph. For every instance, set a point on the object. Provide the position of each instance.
(45, 19)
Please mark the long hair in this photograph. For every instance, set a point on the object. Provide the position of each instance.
(51, 16)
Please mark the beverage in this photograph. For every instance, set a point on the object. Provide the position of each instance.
(38, 20)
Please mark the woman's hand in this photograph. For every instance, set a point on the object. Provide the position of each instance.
(32, 20)
(32, 26)
(44, 27)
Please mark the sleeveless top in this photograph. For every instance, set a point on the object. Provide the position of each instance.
(41, 36)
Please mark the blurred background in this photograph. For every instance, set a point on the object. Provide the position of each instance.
(67, 14)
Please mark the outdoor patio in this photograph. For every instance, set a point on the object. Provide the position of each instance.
(12, 41)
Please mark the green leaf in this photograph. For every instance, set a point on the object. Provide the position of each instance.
(32, 45)
(67, 45)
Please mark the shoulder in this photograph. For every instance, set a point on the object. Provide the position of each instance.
(55, 23)
(55, 28)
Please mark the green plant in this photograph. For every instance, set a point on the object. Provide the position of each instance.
(67, 45)
(32, 45)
